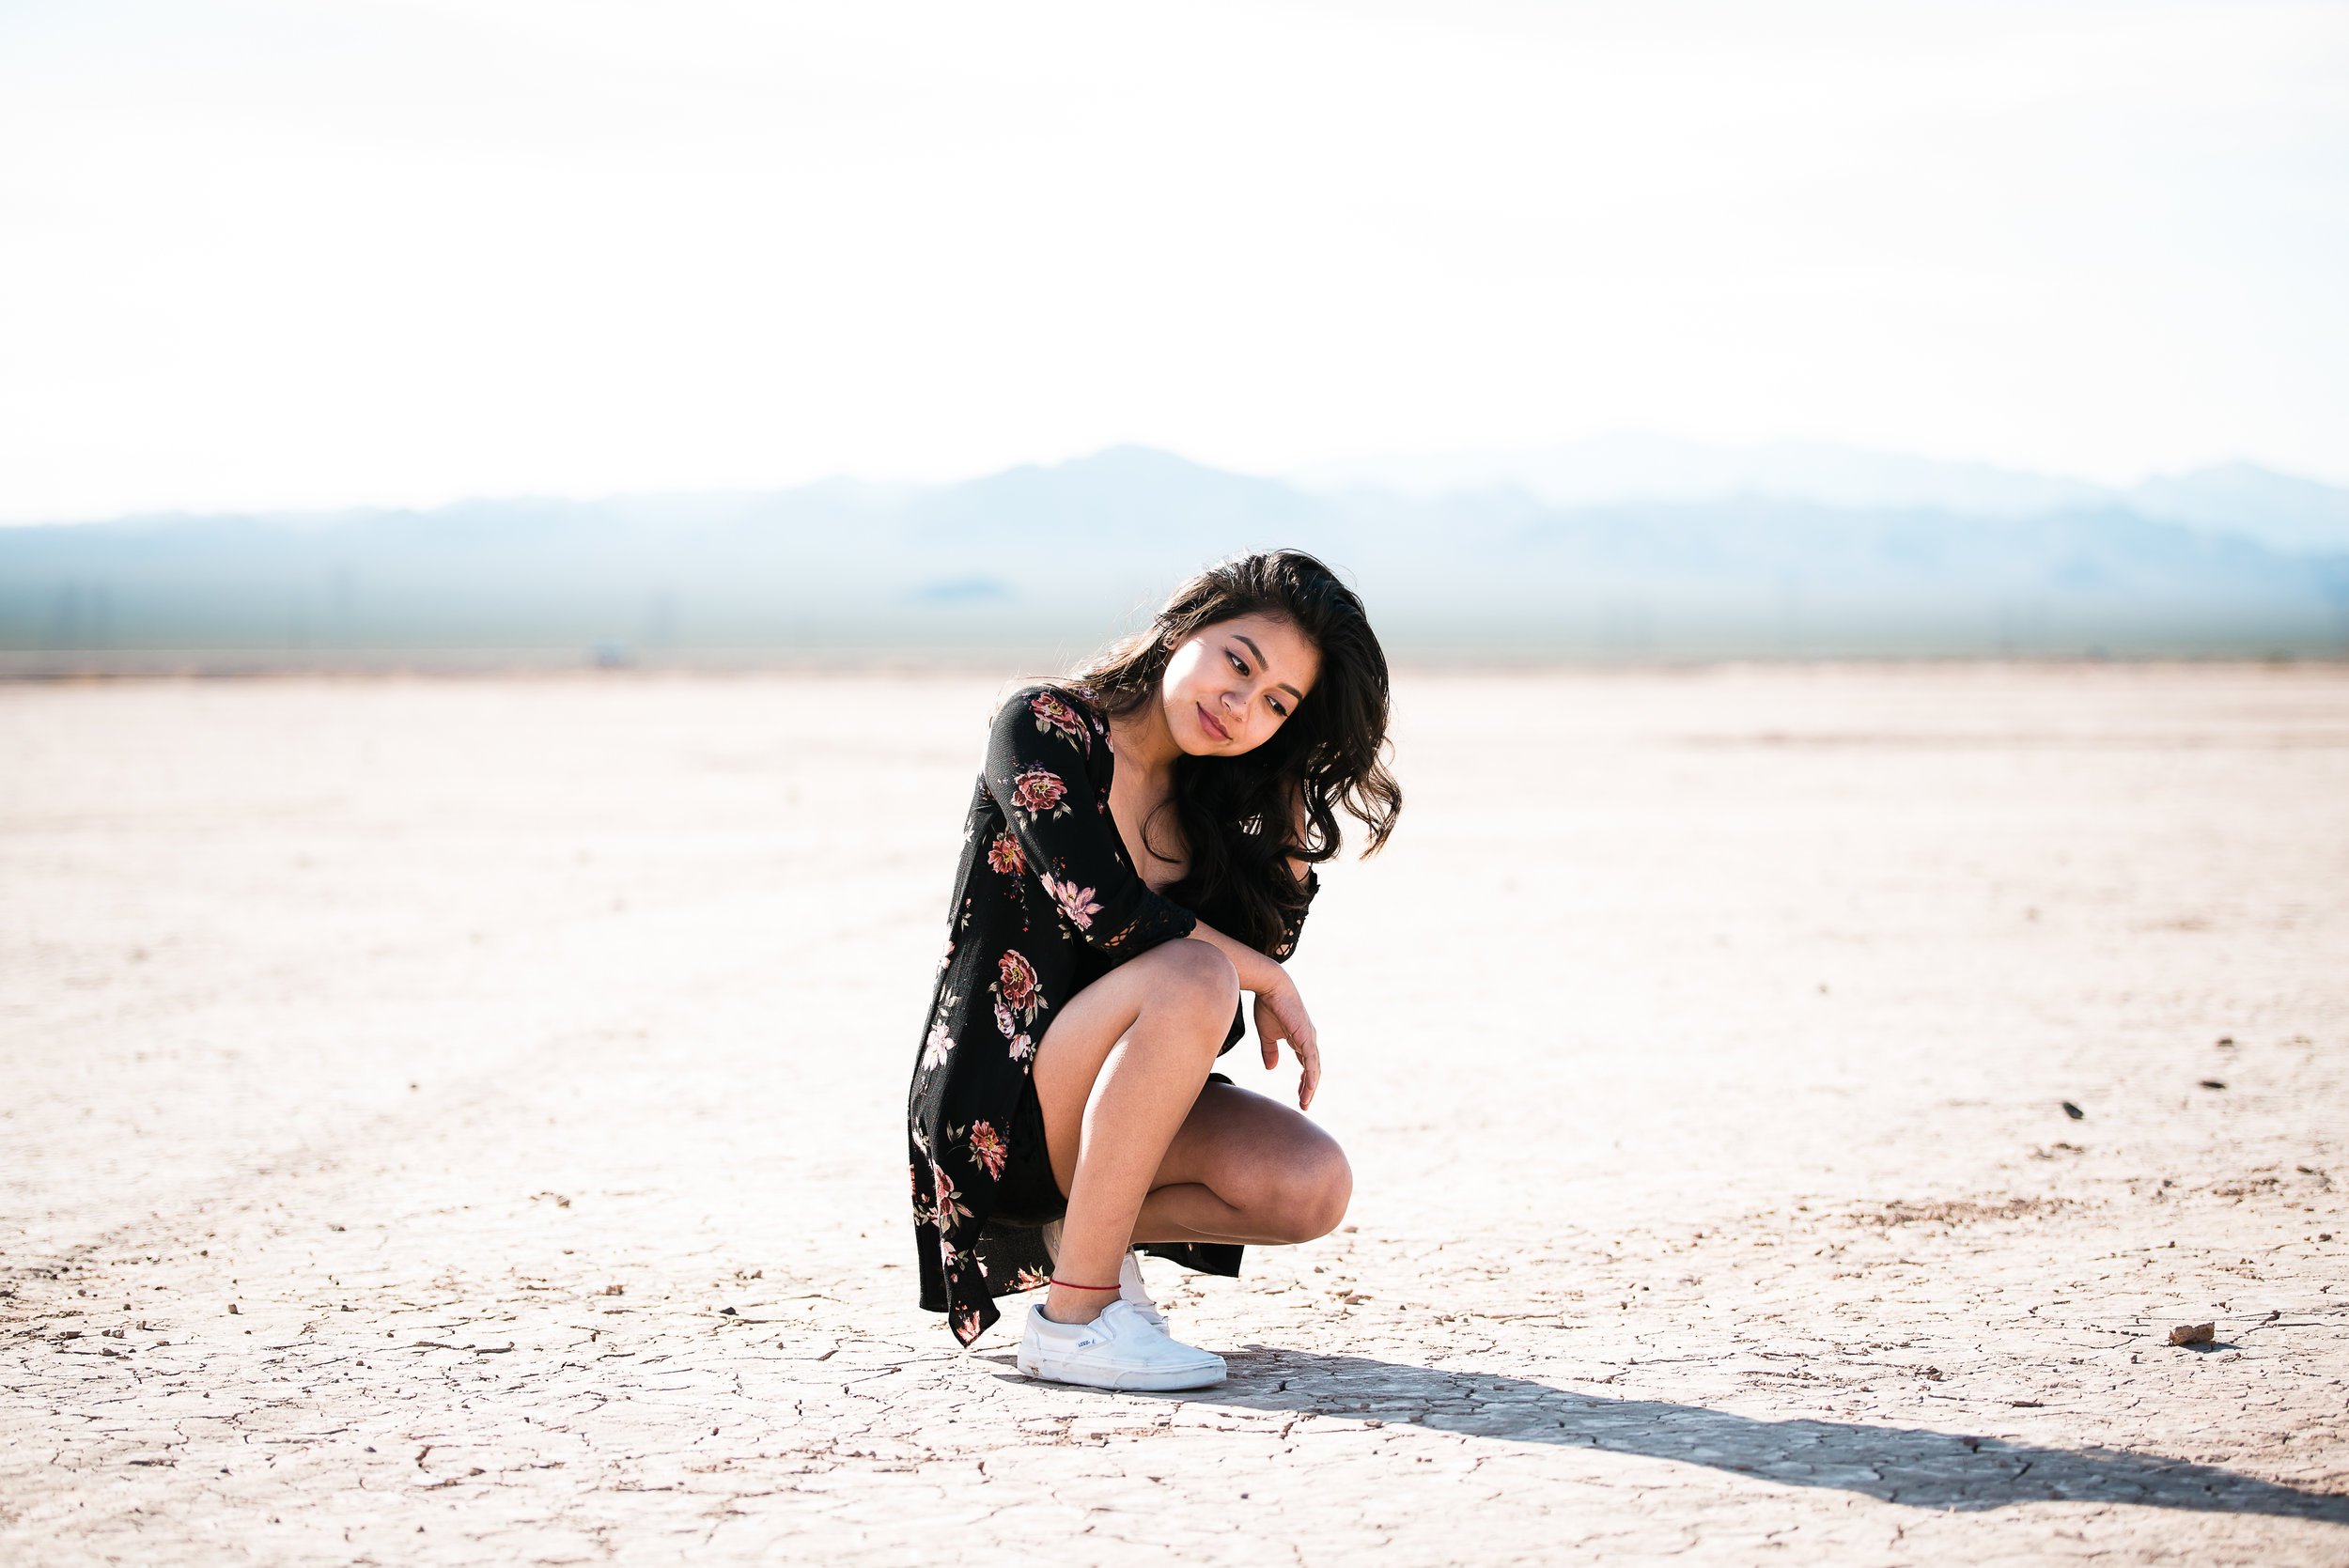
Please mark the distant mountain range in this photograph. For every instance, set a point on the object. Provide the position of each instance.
(1631, 549)
(2241, 498)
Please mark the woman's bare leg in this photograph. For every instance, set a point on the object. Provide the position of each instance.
(1246, 1168)
(1116, 1074)
(1240, 1166)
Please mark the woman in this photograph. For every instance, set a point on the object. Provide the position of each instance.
(1139, 853)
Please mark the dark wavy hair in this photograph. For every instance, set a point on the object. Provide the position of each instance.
(1327, 752)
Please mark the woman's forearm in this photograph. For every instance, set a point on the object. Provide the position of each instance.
(1257, 973)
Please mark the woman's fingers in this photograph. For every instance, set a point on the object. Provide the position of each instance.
(1305, 1040)
(1294, 1023)
(1282, 1017)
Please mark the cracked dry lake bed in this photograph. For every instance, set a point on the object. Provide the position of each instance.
(461, 1121)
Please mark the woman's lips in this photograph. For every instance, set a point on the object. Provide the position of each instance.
(1207, 721)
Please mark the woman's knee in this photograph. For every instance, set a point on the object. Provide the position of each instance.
(1194, 976)
(1313, 1191)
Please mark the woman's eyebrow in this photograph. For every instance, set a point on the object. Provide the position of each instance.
(1263, 663)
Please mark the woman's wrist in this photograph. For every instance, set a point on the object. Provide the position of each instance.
(1271, 981)
(1258, 973)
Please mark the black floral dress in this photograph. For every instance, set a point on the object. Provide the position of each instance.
(1046, 900)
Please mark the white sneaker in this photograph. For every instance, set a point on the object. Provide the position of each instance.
(1130, 1288)
(1120, 1349)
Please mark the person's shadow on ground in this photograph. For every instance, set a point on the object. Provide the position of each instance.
(1911, 1465)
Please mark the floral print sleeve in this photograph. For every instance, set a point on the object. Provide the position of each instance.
(1057, 827)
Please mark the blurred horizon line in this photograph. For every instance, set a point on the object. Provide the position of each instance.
(98, 667)
(1624, 549)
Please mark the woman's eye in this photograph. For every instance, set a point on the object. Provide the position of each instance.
(1236, 663)
(1277, 708)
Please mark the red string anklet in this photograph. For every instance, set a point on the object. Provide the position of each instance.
(1085, 1287)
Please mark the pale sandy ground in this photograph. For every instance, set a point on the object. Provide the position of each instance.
(462, 1121)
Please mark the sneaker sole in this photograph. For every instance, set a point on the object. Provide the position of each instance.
(1142, 1379)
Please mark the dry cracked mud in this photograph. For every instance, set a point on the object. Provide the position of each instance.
(461, 1121)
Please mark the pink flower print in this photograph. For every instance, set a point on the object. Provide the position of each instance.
(1016, 984)
(1030, 1279)
(1052, 713)
(949, 1206)
(1075, 902)
(1021, 1048)
(988, 1148)
(1003, 1019)
(940, 1043)
(1004, 856)
(1039, 791)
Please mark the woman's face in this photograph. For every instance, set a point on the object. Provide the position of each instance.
(1236, 682)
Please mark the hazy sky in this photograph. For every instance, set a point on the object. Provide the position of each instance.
(397, 251)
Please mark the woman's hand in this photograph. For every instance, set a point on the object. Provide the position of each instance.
(1280, 1015)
